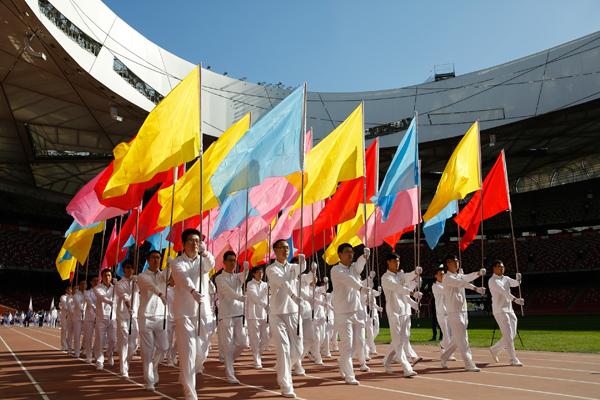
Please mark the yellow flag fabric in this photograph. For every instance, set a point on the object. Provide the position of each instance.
(259, 252)
(462, 174)
(65, 267)
(187, 189)
(346, 233)
(170, 136)
(169, 252)
(339, 157)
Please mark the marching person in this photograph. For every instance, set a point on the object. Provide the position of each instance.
(106, 328)
(411, 280)
(440, 309)
(190, 273)
(283, 316)
(64, 304)
(307, 294)
(330, 338)
(372, 315)
(89, 320)
(77, 315)
(172, 351)
(321, 347)
(455, 283)
(504, 314)
(232, 336)
(349, 314)
(256, 315)
(398, 309)
(153, 332)
(127, 305)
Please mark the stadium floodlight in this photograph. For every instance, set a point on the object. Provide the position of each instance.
(114, 114)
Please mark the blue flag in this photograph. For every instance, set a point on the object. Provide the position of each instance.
(403, 173)
(270, 148)
(434, 228)
(75, 226)
(232, 213)
(155, 240)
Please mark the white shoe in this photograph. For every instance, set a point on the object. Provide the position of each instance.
(299, 371)
(472, 368)
(494, 355)
(444, 363)
(149, 387)
(99, 366)
(452, 358)
(516, 363)
(417, 360)
(364, 368)
(111, 362)
(233, 381)
(258, 366)
(125, 376)
(388, 369)
(352, 381)
(289, 395)
(409, 374)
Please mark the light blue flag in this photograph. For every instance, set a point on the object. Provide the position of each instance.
(155, 240)
(270, 148)
(66, 256)
(290, 242)
(130, 242)
(75, 226)
(434, 228)
(403, 173)
(232, 213)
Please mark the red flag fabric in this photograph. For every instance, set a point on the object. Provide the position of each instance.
(127, 230)
(349, 194)
(321, 239)
(112, 241)
(496, 199)
(393, 239)
(178, 228)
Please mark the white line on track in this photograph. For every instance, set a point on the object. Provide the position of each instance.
(105, 370)
(541, 377)
(31, 378)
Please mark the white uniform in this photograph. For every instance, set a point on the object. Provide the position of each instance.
(330, 321)
(89, 321)
(77, 314)
(53, 317)
(349, 315)
(503, 312)
(371, 317)
(192, 335)
(106, 328)
(256, 317)
(172, 350)
(308, 328)
(440, 313)
(126, 342)
(320, 324)
(409, 280)
(398, 309)
(283, 321)
(64, 305)
(153, 332)
(458, 319)
(232, 337)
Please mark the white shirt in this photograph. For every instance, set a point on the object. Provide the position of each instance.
(256, 299)
(283, 284)
(170, 299)
(501, 296)
(229, 290)
(347, 286)
(151, 284)
(329, 307)
(64, 305)
(188, 275)
(397, 296)
(104, 298)
(320, 302)
(438, 294)
(125, 287)
(90, 305)
(78, 306)
(307, 294)
(454, 290)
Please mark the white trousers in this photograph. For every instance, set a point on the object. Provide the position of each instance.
(442, 320)
(258, 335)
(326, 343)
(399, 338)
(153, 343)
(370, 336)
(308, 337)
(233, 339)
(320, 338)
(172, 350)
(106, 332)
(351, 328)
(507, 321)
(76, 326)
(66, 330)
(88, 339)
(408, 349)
(192, 347)
(288, 347)
(126, 343)
(458, 323)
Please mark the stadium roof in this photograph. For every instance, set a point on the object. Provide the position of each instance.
(74, 83)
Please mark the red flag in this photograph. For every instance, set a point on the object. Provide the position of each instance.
(496, 199)
(393, 239)
(178, 228)
(127, 230)
(112, 241)
(347, 197)
(321, 239)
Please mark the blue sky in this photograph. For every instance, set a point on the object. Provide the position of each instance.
(352, 45)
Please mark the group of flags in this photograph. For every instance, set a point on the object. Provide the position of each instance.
(265, 181)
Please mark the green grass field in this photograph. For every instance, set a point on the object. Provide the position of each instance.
(579, 333)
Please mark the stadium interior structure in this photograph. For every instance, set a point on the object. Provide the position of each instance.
(74, 83)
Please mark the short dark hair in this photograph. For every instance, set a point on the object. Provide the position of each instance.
(496, 262)
(439, 268)
(450, 256)
(127, 263)
(188, 232)
(392, 256)
(105, 270)
(256, 269)
(343, 247)
(276, 243)
(151, 252)
(229, 253)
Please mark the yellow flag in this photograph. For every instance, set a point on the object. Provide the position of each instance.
(65, 267)
(259, 252)
(346, 233)
(170, 136)
(339, 157)
(187, 189)
(462, 174)
(78, 243)
(169, 252)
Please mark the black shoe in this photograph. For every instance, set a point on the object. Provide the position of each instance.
(432, 339)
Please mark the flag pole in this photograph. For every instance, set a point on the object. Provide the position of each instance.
(200, 159)
(481, 199)
(312, 228)
(512, 227)
(175, 177)
(366, 238)
(116, 262)
(102, 245)
(302, 147)
(459, 250)
(136, 261)
(268, 257)
(419, 279)
(376, 248)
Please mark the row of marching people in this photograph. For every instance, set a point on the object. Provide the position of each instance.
(284, 306)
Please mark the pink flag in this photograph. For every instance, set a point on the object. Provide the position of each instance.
(404, 213)
(85, 207)
(271, 196)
